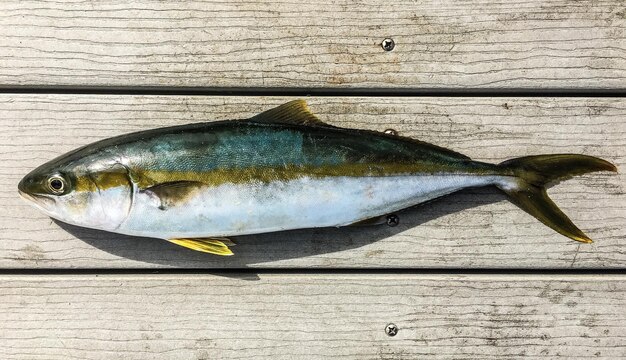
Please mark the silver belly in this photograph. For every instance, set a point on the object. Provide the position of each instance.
(239, 209)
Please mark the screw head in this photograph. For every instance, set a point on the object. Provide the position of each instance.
(391, 132)
(388, 44)
(393, 220)
(391, 330)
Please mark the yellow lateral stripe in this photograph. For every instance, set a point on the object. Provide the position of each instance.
(148, 178)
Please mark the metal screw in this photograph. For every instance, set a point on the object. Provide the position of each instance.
(391, 330)
(388, 44)
(393, 220)
(391, 132)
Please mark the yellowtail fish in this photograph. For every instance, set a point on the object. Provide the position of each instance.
(198, 184)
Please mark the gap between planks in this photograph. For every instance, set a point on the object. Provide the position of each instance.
(325, 92)
(254, 272)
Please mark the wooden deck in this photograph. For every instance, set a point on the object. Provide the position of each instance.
(323, 316)
(469, 276)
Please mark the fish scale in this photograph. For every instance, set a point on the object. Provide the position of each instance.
(282, 169)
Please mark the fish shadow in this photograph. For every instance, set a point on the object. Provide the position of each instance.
(273, 247)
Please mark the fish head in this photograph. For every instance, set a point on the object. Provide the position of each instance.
(94, 194)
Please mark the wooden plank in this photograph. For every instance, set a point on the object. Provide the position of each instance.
(321, 43)
(312, 316)
(473, 229)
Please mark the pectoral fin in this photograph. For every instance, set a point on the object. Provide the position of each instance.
(217, 246)
(173, 193)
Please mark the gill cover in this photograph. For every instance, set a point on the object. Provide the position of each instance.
(112, 198)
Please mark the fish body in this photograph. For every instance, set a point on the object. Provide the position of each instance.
(282, 169)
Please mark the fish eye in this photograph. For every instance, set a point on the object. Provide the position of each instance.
(56, 184)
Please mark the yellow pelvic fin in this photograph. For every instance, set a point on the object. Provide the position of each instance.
(225, 241)
(217, 246)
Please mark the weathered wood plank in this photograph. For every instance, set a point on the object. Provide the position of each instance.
(313, 316)
(473, 229)
(321, 43)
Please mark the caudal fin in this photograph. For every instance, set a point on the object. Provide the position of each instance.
(534, 173)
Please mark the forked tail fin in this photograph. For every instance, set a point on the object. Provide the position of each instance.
(534, 173)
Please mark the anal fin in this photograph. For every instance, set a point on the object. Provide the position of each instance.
(389, 219)
(378, 220)
(216, 246)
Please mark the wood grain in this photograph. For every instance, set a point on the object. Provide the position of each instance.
(473, 229)
(312, 316)
(315, 44)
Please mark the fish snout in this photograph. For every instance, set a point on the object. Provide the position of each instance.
(28, 185)
(29, 190)
(23, 185)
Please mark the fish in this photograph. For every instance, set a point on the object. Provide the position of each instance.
(198, 185)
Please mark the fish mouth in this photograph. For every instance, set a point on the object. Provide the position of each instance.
(26, 196)
(40, 201)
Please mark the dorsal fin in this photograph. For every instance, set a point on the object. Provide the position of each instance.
(294, 112)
